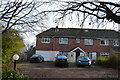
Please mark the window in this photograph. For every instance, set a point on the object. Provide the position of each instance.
(45, 40)
(104, 42)
(77, 40)
(116, 42)
(104, 54)
(88, 42)
(63, 53)
(63, 40)
(89, 54)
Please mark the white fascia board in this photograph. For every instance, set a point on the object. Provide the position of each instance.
(77, 48)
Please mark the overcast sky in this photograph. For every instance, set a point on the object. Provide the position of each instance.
(31, 39)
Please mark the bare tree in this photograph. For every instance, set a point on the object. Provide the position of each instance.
(14, 13)
(27, 15)
(97, 11)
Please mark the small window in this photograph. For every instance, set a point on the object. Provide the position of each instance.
(116, 42)
(104, 42)
(45, 40)
(88, 42)
(77, 40)
(104, 54)
(63, 53)
(63, 40)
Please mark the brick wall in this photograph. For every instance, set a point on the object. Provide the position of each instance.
(55, 46)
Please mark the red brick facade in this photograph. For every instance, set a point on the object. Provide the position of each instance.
(76, 42)
(55, 46)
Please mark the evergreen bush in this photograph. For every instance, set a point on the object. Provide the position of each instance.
(13, 75)
(113, 60)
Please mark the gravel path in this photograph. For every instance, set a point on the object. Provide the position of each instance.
(48, 70)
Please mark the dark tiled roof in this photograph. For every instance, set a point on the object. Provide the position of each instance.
(79, 33)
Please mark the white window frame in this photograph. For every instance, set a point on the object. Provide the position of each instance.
(116, 42)
(63, 53)
(89, 54)
(77, 40)
(105, 41)
(45, 40)
(63, 40)
(104, 54)
(88, 41)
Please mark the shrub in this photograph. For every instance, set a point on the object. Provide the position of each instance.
(112, 61)
(102, 60)
(15, 75)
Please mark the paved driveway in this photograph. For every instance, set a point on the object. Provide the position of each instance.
(48, 70)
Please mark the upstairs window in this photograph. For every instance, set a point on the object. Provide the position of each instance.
(63, 40)
(104, 42)
(77, 40)
(116, 42)
(45, 40)
(88, 42)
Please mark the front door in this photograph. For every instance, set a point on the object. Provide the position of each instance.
(77, 54)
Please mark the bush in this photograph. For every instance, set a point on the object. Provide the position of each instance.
(15, 75)
(7, 66)
(112, 61)
(102, 60)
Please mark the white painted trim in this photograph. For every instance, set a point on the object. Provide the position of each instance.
(115, 42)
(94, 55)
(45, 39)
(77, 48)
(106, 42)
(61, 41)
(88, 42)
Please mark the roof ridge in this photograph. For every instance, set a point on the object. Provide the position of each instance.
(86, 29)
(80, 32)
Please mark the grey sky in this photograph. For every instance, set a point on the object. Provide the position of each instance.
(31, 39)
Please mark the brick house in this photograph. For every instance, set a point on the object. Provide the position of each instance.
(73, 42)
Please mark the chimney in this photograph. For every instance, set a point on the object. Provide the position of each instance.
(56, 29)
